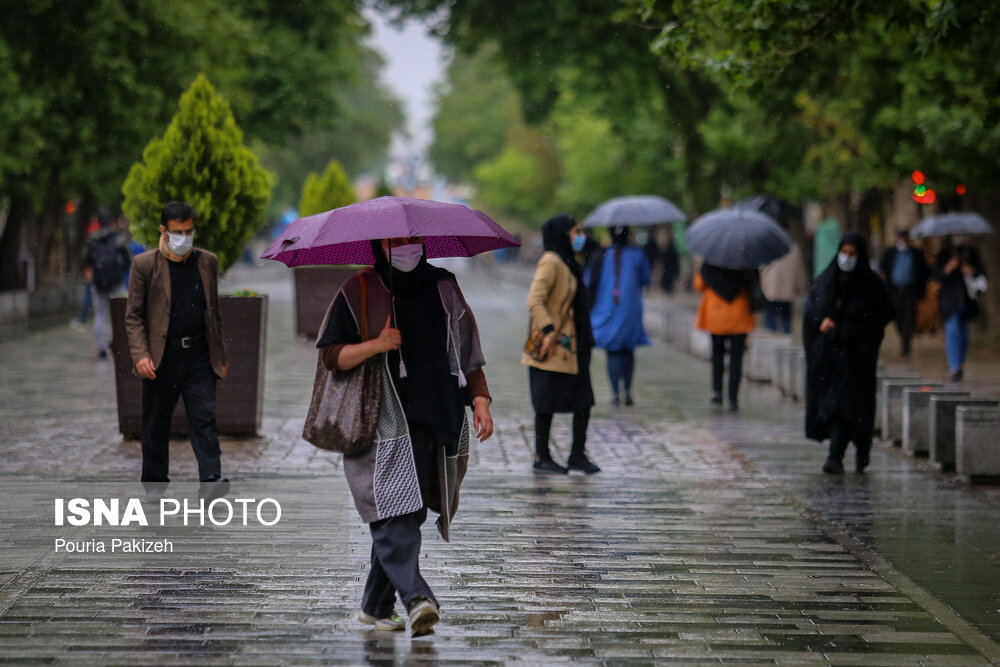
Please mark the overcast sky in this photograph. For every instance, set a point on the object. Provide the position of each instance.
(413, 64)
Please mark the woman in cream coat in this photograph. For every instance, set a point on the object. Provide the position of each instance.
(561, 381)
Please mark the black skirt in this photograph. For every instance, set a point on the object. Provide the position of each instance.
(561, 392)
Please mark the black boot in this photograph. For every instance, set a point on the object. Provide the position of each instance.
(833, 467)
(582, 463)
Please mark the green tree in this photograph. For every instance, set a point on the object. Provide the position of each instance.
(475, 106)
(201, 159)
(326, 192)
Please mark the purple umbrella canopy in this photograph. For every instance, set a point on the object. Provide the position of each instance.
(342, 236)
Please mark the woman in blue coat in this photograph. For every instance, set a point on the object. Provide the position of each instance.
(616, 279)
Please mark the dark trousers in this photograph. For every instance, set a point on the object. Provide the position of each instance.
(621, 366)
(906, 301)
(841, 435)
(543, 426)
(735, 346)
(183, 373)
(778, 316)
(395, 566)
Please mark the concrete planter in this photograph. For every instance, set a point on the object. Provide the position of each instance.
(941, 426)
(916, 417)
(890, 403)
(315, 288)
(239, 397)
(977, 453)
(878, 392)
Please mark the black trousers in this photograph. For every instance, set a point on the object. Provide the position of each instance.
(734, 345)
(395, 565)
(842, 432)
(183, 373)
(543, 427)
(906, 300)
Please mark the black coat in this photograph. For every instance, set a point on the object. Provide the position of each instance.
(842, 363)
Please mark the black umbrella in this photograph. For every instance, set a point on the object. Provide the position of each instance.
(779, 209)
(737, 238)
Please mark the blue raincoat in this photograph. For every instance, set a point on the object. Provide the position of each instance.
(618, 326)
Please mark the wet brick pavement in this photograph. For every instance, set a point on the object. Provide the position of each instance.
(708, 538)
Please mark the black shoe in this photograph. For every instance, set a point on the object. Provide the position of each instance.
(213, 488)
(957, 376)
(734, 406)
(833, 467)
(615, 402)
(860, 463)
(102, 354)
(628, 400)
(582, 463)
(548, 466)
(717, 399)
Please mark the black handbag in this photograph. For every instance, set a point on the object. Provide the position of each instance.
(343, 413)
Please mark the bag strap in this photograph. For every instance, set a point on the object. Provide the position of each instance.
(364, 309)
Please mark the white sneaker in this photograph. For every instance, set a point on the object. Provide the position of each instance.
(389, 623)
(423, 617)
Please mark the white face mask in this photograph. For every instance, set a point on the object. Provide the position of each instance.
(847, 263)
(901, 246)
(180, 244)
(406, 257)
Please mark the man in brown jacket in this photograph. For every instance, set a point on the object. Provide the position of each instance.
(175, 337)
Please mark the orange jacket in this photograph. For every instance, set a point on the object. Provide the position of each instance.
(720, 317)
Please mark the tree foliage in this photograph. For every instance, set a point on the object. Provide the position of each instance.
(200, 159)
(326, 192)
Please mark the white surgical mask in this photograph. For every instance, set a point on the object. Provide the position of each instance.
(847, 263)
(406, 257)
(180, 244)
(901, 246)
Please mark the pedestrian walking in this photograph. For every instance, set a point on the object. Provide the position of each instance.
(671, 265)
(559, 346)
(726, 314)
(107, 263)
(905, 272)
(617, 278)
(175, 338)
(431, 367)
(960, 271)
(781, 282)
(846, 313)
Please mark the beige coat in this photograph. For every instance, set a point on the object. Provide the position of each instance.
(147, 314)
(784, 279)
(550, 302)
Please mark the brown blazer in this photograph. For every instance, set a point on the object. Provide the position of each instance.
(147, 314)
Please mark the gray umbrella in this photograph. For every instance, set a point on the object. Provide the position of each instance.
(947, 224)
(737, 238)
(634, 211)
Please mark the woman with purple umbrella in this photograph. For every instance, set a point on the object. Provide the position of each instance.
(435, 369)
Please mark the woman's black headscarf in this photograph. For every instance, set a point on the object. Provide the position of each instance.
(555, 238)
(619, 236)
(430, 393)
(727, 283)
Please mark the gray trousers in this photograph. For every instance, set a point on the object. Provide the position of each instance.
(102, 317)
(395, 566)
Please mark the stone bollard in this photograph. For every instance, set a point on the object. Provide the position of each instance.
(941, 426)
(976, 451)
(800, 376)
(916, 417)
(891, 405)
(878, 392)
(760, 360)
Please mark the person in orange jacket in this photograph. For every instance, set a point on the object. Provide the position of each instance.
(725, 313)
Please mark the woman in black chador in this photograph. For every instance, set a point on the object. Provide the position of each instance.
(845, 318)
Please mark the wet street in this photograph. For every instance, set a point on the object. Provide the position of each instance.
(707, 538)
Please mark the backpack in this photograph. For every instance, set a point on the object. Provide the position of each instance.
(109, 262)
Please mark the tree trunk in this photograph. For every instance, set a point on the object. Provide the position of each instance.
(988, 205)
(11, 242)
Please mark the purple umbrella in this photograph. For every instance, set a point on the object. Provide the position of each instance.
(342, 236)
